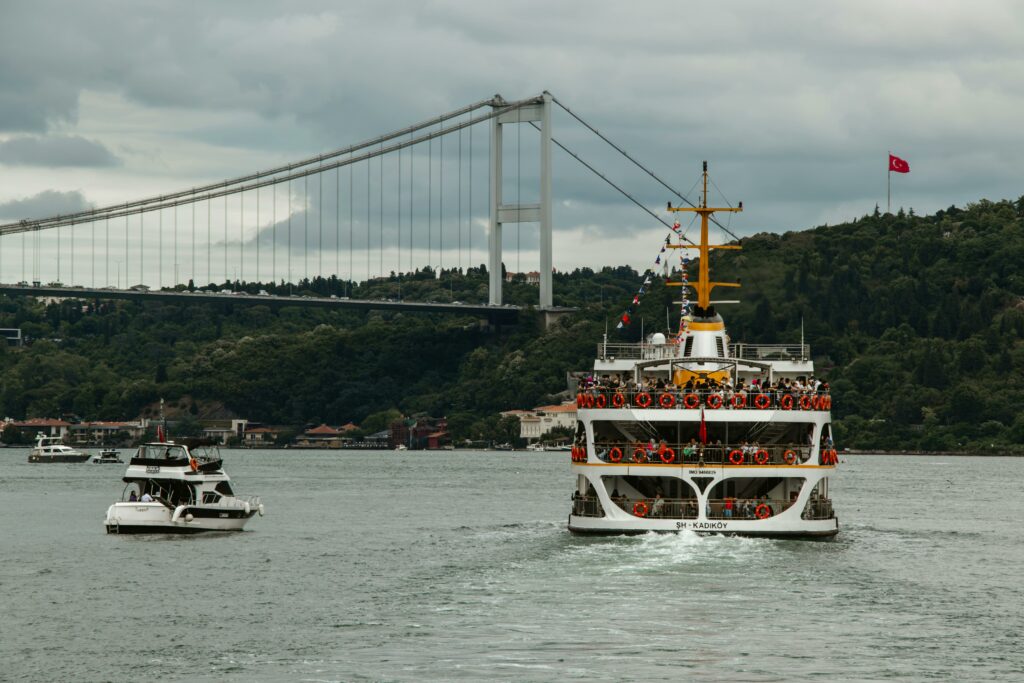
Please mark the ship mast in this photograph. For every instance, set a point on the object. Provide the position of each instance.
(704, 284)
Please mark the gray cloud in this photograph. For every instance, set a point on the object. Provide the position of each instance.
(55, 151)
(47, 203)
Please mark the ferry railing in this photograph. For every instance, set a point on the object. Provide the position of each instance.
(770, 351)
(602, 398)
(586, 506)
(746, 508)
(639, 351)
(818, 508)
(629, 453)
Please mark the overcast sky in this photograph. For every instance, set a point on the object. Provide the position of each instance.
(794, 104)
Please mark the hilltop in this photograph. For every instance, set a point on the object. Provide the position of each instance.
(917, 322)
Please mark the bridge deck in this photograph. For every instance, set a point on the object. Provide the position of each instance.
(496, 314)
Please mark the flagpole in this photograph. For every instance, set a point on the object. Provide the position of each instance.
(888, 208)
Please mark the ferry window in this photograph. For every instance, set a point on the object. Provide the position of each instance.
(688, 347)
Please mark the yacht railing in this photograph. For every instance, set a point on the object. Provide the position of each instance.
(770, 351)
(235, 502)
(675, 399)
(615, 452)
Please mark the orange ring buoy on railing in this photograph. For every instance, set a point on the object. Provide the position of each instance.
(643, 400)
(826, 402)
(762, 511)
(590, 401)
(618, 400)
(790, 457)
(194, 464)
(762, 401)
(806, 403)
(739, 401)
(615, 454)
(691, 401)
(667, 401)
(829, 457)
(639, 455)
(601, 401)
(640, 508)
(834, 457)
(714, 401)
(786, 402)
(667, 456)
(761, 457)
(580, 400)
(736, 456)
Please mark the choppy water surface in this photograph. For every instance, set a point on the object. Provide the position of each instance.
(439, 566)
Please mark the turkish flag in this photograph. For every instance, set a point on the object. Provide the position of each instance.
(897, 165)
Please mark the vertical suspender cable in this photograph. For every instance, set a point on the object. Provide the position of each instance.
(440, 212)
(209, 240)
(471, 196)
(368, 189)
(225, 238)
(398, 212)
(174, 283)
(289, 232)
(380, 183)
(320, 239)
(351, 223)
(257, 278)
(273, 235)
(430, 203)
(193, 278)
(337, 222)
(305, 227)
(460, 199)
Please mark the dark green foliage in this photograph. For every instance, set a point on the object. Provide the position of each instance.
(916, 321)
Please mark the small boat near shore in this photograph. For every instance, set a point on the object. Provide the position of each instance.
(52, 449)
(108, 456)
(175, 488)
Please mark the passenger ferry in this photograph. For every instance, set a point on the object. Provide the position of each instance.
(52, 449)
(695, 432)
(175, 488)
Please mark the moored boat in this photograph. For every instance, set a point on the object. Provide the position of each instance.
(693, 432)
(52, 449)
(108, 456)
(178, 488)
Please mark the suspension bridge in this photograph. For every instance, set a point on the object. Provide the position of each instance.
(414, 198)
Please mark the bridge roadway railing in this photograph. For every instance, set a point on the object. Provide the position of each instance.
(671, 398)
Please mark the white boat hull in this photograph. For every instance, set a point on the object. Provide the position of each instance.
(157, 518)
(775, 528)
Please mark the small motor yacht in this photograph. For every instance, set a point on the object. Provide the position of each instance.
(107, 456)
(178, 488)
(52, 449)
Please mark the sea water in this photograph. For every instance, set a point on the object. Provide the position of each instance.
(458, 565)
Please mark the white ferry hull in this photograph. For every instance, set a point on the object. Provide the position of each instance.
(769, 528)
(157, 518)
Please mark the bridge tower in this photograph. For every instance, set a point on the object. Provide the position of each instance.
(502, 213)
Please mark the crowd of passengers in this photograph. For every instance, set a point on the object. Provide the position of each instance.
(728, 508)
(794, 387)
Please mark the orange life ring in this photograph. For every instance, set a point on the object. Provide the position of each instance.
(826, 402)
(618, 400)
(589, 401)
(639, 455)
(806, 403)
(761, 457)
(640, 509)
(714, 401)
(736, 456)
(691, 401)
(194, 464)
(739, 401)
(667, 401)
(643, 399)
(834, 457)
(790, 457)
(615, 454)
(580, 400)
(667, 456)
(786, 402)
(762, 401)
(762, 511)
(601, 401)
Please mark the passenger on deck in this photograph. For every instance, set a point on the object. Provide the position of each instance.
(146, 498)
(657, 508)
(728, 508)
(132, 497)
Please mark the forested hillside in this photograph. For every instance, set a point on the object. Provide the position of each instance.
(916, 321)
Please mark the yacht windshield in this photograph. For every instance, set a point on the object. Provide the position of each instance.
(168, 451)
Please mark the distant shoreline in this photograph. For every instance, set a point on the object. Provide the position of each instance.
(998, 454)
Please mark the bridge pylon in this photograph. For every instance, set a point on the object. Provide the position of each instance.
(502, 213)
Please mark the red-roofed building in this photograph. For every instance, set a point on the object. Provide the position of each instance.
(323, 436)
(107, 432)
(259, 436)
(536, 423)
(45, 425)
